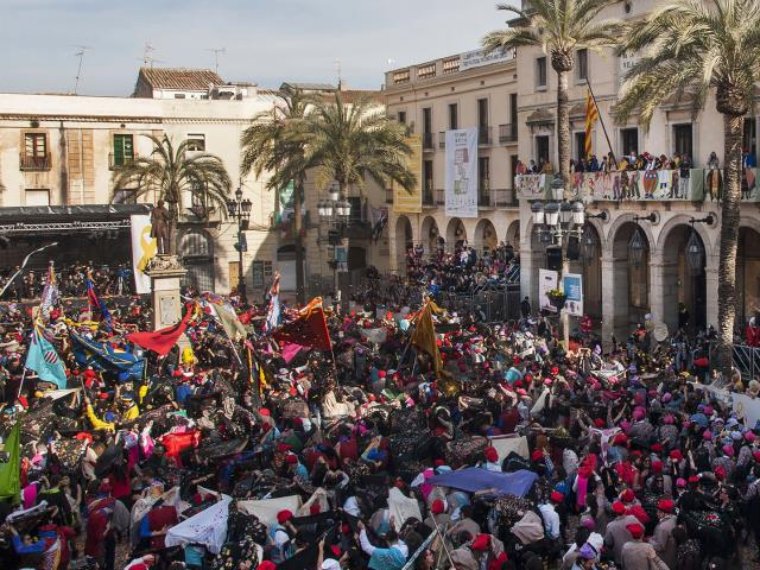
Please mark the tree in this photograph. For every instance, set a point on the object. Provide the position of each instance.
(276, 143)
(692, 48)
(171, 173)
(559, 27)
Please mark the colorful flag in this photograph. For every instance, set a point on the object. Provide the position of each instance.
(273, 311)
(162, 340)
(592, 114)
(103, 356)
(308, 329)
(44, 360)
(98, 308)
(10, 470)
(423, 336)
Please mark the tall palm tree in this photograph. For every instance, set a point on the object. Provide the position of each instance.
(352, 142)
(693, 48)
(276, 143)
(559, 27)
(170, 172)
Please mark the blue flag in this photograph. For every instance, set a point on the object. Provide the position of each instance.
(97, 305)
(44, 360)
(102, 356)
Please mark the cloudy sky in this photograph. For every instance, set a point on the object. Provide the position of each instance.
(266, 41)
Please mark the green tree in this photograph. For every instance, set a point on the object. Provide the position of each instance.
(559, 28)
(170, 172)
(276, 143)
(692, 48)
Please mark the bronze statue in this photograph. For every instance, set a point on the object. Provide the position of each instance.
(159, 220)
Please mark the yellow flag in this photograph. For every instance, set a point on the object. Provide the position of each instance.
(423, 336)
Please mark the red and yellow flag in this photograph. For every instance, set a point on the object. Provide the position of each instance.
(423, 336)
(592, 114)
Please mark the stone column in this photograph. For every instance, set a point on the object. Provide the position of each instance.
(165, 274)
(614, 299)
(711, 290)
(663, 290)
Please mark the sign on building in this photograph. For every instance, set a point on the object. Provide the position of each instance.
(479, 58)
(462, 173)
(572, 285)
(547, 280)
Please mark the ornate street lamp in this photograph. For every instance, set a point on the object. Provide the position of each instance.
(336, 212)
(240, 211)
(637, 246)
(695, 251)
(588, 244)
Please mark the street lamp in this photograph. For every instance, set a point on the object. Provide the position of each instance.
(240, 211)
(336, 213)
(556, 219)
(695, 251)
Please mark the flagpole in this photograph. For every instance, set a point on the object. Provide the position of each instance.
(601, 120)
(23, 265)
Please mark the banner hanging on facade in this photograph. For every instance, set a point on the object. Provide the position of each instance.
(405, 202)
(462, 173)
(547, 280)
(572, 285)
(144, 248)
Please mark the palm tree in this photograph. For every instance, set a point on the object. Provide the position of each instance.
(559, 27)
(352, 142)
(692, 48)
(276, 143)
(170, 172)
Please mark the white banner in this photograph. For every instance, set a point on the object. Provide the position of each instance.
(144, 248)
(547, 280)
(572, 285)
(462, 173)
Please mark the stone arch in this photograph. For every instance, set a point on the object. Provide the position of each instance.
(747, 270)
(591, 270)
(630, 280)
(456, 232)
(612, 231)
(485, 236)
(512, 236)
(429, 235)
(683, 219)
(404, 239)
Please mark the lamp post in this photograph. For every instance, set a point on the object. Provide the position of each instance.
(240, 211)
(556, 219)
(335, 212)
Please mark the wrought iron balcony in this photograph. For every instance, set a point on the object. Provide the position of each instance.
(507, 134)
(117, 162)
(34, 163)
(427, 141)
(484, 136)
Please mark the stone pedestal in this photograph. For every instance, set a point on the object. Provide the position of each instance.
(165, 274)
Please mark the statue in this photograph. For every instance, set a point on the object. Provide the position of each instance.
(159, 220)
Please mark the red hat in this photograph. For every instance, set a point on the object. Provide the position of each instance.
(537, 455)
(315, 509)
(693, 479)
(656, 447)
(620, 439)
(665, 505)
(284, 447)
(492, 455)
(618, 508)
(265, 412)
(657, 466)
(720, 473)
(627, 496)
(291, 459)
(599, 422)
(756, 455)
(676, 455)
(284, 516)
(437, 507)
(381, 374)
(636, 530)
(639, 512)
(267, 565)
(481, 542)
(438, 462)
(557, 497)
(555, 370)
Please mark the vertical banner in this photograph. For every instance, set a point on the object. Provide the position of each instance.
(411, 202)
(547, 280)
(462, 173)
(144, 248)
(572, 285)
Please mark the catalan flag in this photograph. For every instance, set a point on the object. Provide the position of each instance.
(592, 115)
(423, 336)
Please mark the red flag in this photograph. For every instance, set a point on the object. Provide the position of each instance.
(308, 329)
(162, 340)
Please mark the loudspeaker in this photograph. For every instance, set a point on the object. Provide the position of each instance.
(554, 258)
(573, 248)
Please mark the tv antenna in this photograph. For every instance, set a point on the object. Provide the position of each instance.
(217, 52)
(81, 50)
(148, 59)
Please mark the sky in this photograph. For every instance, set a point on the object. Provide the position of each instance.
(265, 42)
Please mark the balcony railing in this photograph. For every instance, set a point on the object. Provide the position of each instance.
(442, 139)
(428, 196)
(484, 197)
(440, 196)
(507, 133)
(115, 163)
(34, 163)
(427, 141)
(484, 136)
(504, 198)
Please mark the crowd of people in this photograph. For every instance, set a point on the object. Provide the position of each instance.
(111, 280)
(415, 438)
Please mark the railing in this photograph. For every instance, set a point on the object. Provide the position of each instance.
(484, 135)
(484, 198)
(440, 196)
(503, 198)
(507, 133)
(442, 139)
(115, 163)
(746, 360)
(427, 141)
(428, 197)
(34, 163)
(493, 305)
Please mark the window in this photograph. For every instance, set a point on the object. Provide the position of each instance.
(37, 197)
(749, 140)
(427, 120)
(35, 156)
(196, 143)
(179, 95)
(513, 112)
(582, 64)
(262, 273)
(629, 141)
(453, 116)
(426, 71)
(451, 65)
(402, 76)
(123, 150)
(484, 174)
(542, 148)
(482, 112)
(125, 196)
(402, 117)
(682, 139)
(580, 144)
(541, 72)
(427, 176)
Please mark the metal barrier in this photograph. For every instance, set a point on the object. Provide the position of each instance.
(746, 360)
(496, 305)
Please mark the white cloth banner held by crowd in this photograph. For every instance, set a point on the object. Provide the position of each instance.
(506, 445)
(266, 509)
(208, 527)
(144, 248)
(462, 173)
(547, 280)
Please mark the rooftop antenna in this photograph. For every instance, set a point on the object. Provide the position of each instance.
(337, 69)
(81, 50)
(216, 52)
(148, 59)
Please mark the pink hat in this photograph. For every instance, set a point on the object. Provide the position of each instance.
(638, 414)
(728, 449)
(749, 436)
(707, 434)
(680, 482)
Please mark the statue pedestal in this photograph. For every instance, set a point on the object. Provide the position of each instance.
(166, 274)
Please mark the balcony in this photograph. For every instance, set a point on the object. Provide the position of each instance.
(427, 141)
(484, 136)
(442, 139)
(485, 196)
(34, 163)
(440, 197)
(504, 198)
(507, 134)
(428, 196)
(116, 163)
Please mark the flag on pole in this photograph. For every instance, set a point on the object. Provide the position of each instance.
(308, 329)
(592, 115)
(44, 360)
(273, 311)
(423, 336)
(97, 306)
(10, 470)
(162, 340)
